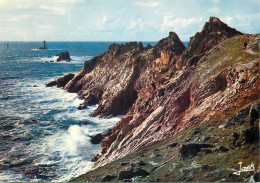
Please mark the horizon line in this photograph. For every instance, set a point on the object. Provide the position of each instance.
(83, 41)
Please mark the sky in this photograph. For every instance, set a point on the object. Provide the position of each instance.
(120, 20)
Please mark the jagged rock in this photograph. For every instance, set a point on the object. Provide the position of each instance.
(240, 117)
(61, 82)
(63, 56)
(165, 90)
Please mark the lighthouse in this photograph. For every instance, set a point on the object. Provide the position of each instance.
(44, 47)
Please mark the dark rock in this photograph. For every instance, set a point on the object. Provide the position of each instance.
(205, 167)
(235, 135)
(34, 85)
(128, 174)
(107, 133)
(51, 61)
(108, 178)
(172, 145)
(141, 163)
(240, 117)
(124, 163)
(64, 56)
(61, 82)
(251, 135)
(254, 114)
(191, 150)
(206, 150)
(53, 83)
(96, 139)
(81, 107)
(140, 172)
(257, 176)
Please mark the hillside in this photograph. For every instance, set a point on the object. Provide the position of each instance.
(191, 114)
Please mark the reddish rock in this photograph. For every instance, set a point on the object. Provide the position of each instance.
(164, 89)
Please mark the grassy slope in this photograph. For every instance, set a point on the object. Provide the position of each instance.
(221, 165)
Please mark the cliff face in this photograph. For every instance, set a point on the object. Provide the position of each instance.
(167, 89)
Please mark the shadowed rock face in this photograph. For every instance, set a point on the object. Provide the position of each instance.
(116, 78)
(165, 89)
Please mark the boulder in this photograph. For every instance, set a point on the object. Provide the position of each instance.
(96, 139)
(140, 172)
(64, 56)
(128, 174)
(191, 150)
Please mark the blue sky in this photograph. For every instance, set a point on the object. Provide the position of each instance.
(119, 20)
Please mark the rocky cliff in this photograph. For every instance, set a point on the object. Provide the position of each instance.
(168, 89)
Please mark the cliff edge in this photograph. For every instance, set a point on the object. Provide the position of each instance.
(167, 90)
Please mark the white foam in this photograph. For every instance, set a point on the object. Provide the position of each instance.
(67, 147)
(76, 140)
(73, 149)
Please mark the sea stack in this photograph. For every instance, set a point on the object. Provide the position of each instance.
(64, 56)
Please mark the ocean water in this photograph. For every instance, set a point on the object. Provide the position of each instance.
(43, 136)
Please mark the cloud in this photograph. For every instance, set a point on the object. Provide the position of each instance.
(140, 26)
(215, 1)
(71, 1)
(18, 18)
(146, 4)
(23, 6)
(227, 19)
(179, 23)
(106, 23)
(214, 10)
(53, 10)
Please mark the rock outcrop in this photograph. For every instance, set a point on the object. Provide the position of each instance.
(167, 89)
(63, 56)
(61, 82)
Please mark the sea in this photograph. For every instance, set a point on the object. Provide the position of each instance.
(43, 136)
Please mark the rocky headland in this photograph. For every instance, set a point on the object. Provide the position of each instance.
(191, 114)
